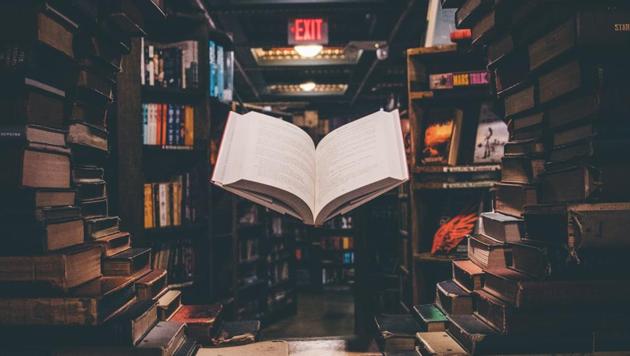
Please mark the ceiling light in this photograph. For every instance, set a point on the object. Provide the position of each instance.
(308, 86)
(308, 51)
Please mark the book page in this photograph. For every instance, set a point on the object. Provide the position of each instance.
(275, 153)
(358, 154)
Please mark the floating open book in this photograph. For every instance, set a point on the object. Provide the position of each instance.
(276, 164)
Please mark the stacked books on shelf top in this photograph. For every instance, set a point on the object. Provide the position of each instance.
(548, 265)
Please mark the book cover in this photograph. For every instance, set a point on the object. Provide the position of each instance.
(441, 137)
(492, 135)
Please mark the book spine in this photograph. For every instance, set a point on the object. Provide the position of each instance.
(212, 68)
(220, 72)
(148, 206)
(142, 62)
(151, 66)
(163, 123)
(163, 204)
(145, 123)
(48, 311)
(177, 126)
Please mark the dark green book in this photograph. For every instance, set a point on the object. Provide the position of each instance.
(430, 317)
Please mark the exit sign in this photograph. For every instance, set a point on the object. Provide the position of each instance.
(312, 30)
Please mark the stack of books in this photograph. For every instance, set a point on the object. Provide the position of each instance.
(546, 274)
(68, 273)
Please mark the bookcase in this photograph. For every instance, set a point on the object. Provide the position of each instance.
(448, 177)
(154, 161)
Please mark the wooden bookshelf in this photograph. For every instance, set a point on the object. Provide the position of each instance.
(437, 192)
(139, 164)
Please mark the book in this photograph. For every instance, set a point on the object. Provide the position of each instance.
(87, 135)
(164, 339)
(90, 304)
(440, 137)
(467, 275)
(133, 262)
(263, 348)
(94, 208)
(536, 259)
(584, 182)
(41, 230)
(521, 169)
(114, 244)
(479, 338)
(492, 135)
(168, 304)
(452, 298)
(499, 48)
(38, 198)
(430, 317)
(589, 150)
(99, 227)
(27, 134)
(527, 126)
(510, 72)
(55, 270)
(90, 189)
(520, 101)
(37, 166)
(580, 225)
(33, 103)
(487, 252)
(511, 199)
(523, 292)
(93, 82)
(286, 166)
(502, 227)
(604, 105)
(232, 333)
(125, 329)
(439, 343)
(199, 319)
(469, 12)
(87, 172)
(533, 147)
(587, 28)
(152, 286)
(396, 332)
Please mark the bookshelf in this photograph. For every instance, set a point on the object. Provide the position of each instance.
(442, 78)
(142, 162)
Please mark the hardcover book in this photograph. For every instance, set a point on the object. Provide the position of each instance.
(33, 103)
(439, 343)
(521, 169)
(452, 298)
(168, 304)
(284, 171)
(57, 270)
(511, 199)
(440, 137)
(90, 304)
(134, 262)
(36, 166)
(585, 182)
(396, 332)
(430, 317)
(152, 285)
(533, 147)
(199, 319)
(487, 253)
(114, 243)
(467, 275)
(502, 227)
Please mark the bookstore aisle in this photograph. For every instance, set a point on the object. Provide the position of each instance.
(314, 177)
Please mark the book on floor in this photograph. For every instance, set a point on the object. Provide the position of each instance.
(277, 165)
(199, 319)
(396, 332)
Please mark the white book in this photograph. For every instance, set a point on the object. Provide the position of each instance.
(276, 164)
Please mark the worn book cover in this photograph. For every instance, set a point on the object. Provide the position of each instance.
(492, 135)
(440, 137)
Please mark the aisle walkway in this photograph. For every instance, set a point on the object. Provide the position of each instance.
(323, 314)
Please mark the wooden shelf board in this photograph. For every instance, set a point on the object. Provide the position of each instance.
(455, 185)
(457, 169)
(441, 49)
(427, 257)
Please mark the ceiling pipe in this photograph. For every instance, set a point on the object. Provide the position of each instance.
(390, 39)
(238, 66)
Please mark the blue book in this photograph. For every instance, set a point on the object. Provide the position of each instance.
(170, 126)
(178, 126)
(213, 69)
(145, 124)
(220, 72)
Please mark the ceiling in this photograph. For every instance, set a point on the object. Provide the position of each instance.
(364, 81)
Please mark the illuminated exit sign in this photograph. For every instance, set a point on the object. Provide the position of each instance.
(308, 31)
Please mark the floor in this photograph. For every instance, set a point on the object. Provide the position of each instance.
(320, 314)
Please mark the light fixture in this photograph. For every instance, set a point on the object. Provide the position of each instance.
(308, 51)
(308, 86)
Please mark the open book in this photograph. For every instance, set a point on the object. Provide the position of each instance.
(276, 164)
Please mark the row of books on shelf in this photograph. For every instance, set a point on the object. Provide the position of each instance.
(170, 203)
(336, 242)
(221, 65)
(168, 124)
(336, 275)
(344, 259)
(171, 65)
(177, 258)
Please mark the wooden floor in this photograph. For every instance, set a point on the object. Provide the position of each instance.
(332, 347)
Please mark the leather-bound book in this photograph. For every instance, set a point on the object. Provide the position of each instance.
(452, 298)
(152, 285)
(511, 199)
(585, 182)
(468, 275)
(486, 252)
(430, 317)
(438, 343)
(199, 319)
(396, 332)
(134, 262)
(502, 227)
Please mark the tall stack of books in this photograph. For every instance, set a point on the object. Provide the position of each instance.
(547, 274)
(68, 274)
